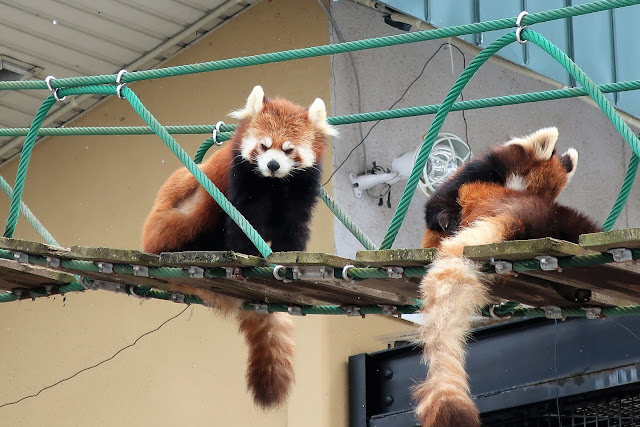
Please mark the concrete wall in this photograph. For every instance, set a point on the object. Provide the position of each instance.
(386, 73)
(97, 191)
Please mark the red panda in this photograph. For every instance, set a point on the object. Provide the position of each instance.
(508, 193)
(270, 171)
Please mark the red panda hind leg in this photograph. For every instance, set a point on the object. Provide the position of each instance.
(452, 290)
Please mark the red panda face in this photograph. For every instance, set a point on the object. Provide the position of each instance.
(280, 137)
(536, 167)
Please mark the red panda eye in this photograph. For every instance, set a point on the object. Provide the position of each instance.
(264, 147)
(288, 151)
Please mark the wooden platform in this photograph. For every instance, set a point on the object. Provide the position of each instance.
(317, 279)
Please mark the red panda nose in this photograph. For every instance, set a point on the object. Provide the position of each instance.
(273, 165)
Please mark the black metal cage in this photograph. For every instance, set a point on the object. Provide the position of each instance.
(577, 372)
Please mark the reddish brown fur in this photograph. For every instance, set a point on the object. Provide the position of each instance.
(453, 289)
(183, 210)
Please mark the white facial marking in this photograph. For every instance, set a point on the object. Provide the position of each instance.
(516, 182)
(287, 145)
(268, 142)
(307, 156)
(248, 145)
(284, 162)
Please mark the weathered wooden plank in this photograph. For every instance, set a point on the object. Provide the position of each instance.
(308, 258)
(211, 259)
(396, 257)
(29, 247)
(620, 285)
(539, 292)
(601, 242)
(114, 256)
(14, 275)
(516, 250)
(406, 287)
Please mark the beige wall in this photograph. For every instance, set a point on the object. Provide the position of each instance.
(97, 191)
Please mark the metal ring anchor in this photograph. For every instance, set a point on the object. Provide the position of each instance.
(276, 272)
(53, 90)
(520, 27)
(119, 83)
(345, 272)
(216, 131)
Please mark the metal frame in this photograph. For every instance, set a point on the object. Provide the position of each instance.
(509, 365)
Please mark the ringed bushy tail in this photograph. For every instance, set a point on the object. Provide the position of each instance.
(270, 368)
(453, 290)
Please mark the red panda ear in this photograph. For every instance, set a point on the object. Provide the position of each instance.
(540, 144)
(569, 162)
(254, 105)
(318, 115)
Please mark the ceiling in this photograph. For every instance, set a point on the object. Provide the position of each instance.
(67, 38)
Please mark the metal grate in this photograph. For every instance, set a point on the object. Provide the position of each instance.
(617, 408)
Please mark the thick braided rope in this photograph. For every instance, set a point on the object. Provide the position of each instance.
(621, 200)
(182, 155)
(346, 220)
(26, 212)
(227, 130)
(23, 165)
(498, 24)
(455, 91)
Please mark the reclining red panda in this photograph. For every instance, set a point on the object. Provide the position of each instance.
(508, 193)
(270, 171)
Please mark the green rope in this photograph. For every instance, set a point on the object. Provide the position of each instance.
(454, 93)
(346, 220)
(621, 200)
(310, 52)
(23, 165)
(26, 212)
(227, 130)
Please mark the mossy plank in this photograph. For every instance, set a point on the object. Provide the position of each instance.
(516, 250)
(627, 238)
(15, 275)
(30, 247)
(616, 283)
(211, 259)
(308, 258)
(114, 256)
(396, 257)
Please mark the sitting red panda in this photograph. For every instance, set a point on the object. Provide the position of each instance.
(270, 171)
(508, 193)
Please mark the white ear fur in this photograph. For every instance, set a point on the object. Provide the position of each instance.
(254, 105)
(318, 116)
(573, 155)
(541, 143)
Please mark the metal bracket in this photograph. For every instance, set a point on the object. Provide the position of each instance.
(312, 272)
(548, 263)
(105, 267)
(520, 27)
(196, 272)
(21, 257)
(141, 270)
(552, 312)
(17, 292)
(295, 310)
(621, 254)
(108, 286)
(53, 262)
(345, 273)
(389, 310)
(233, 272)
(353, 311)
(395, 272)
(593, 312)
(278, 271)
(502, 267)
(260, 308)
(177, 297)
